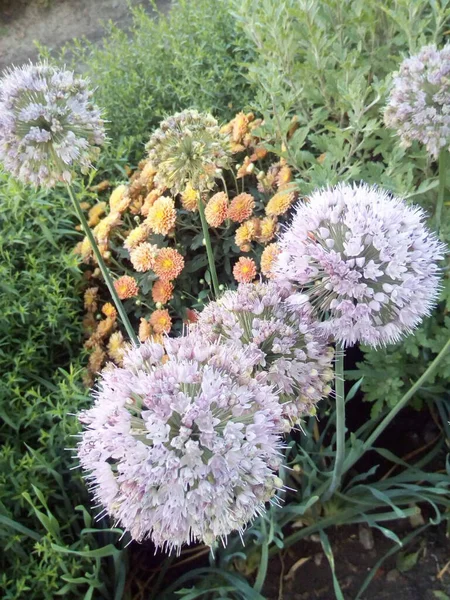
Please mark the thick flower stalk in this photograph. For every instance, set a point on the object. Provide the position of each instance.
(365, 260)
(188, 149)
(48, 124)
(182, 444)
(419, 103)
(285, 344)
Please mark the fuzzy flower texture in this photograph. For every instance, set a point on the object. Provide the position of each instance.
(419, 104)
(188, 148)
(366, 262)
(182, 444)
(48, 124)
(287, 347)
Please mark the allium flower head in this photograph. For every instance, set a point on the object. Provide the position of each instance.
(365, 260)
(182, 447)
(168, 264)
(419, 104)
(288, 348)
(48, 124)
(244, 271)
(188, 148)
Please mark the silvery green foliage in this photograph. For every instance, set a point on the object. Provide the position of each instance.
(287, 346)
(188, 147)
(48, 124)
(184, 449)
(365, 260)
(419, 104)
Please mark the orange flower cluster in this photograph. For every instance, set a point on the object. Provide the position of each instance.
(151, 210)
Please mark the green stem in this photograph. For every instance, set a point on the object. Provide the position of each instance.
(209, 250)
(340, 424)
(262, 571)
(103, 268)
(398, 407)
(442, 164)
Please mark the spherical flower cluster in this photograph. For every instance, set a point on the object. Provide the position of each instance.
(244, 271)
(48, 124)
(143, 257)
(160, 321)
(182, 447)
(287, 346)
(268, 259)
(241, 207)
(419, 104)
(216, 209)
(365, 260)
(162, 291)
(126, 287)
(168, 264)
(162, 215)
(188, 148)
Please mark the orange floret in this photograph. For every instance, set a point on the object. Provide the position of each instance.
(240, 127)
(103, 229)
(280, 203)
(216, 209)
(150, 200)
(162, 291)
(95, 213)
(143, 257)
(241, 207)
(284, 176)
(136, 236)
(90, 299)
(104, 328)
(126, 287)
(168, 264)
(267, 230)
(145, 330)
(258, 153)
(109, 310)
(96, 360)
(117, 347)
(244, 270)
(189, 198)
(268, 258)
(160, 321)
(246, 233)
(119, 200)
(246, 168)
(162, 215)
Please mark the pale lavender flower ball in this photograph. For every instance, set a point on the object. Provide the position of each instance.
(419, 104)
(182, 447)
(48, 124)
(365, 260)
(286, 345)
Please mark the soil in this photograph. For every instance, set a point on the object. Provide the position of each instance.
(52, 23)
